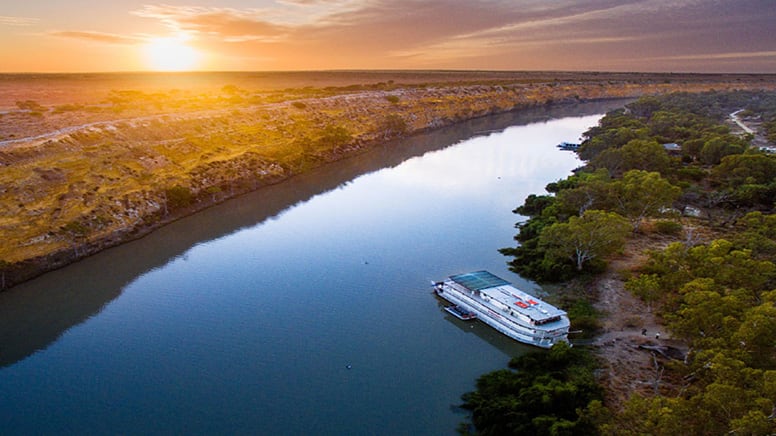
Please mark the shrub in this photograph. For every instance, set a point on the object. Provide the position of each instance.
(178, 196)
(392, 98)
(30, 105)
(393, 125)
(667, 227)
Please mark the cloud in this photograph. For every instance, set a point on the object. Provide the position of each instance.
(17, 21)
(450, 33)
(109, 38)
(226, 23)
(712, 56)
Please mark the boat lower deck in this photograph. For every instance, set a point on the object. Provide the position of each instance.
(461, 313)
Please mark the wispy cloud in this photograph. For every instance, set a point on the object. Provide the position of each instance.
(712, 56)
(466, 33)
(109, 38)
(226, 23)
(17, 21)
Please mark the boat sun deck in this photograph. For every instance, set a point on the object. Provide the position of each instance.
(509, 310)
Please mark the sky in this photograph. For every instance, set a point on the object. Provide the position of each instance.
(271, 35)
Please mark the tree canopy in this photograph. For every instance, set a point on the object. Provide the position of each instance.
(718, 295)
(594, 235)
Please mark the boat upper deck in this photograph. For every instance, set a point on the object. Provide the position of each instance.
(500, 293)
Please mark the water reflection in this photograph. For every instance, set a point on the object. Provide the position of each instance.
(35, 314)
(475, 327)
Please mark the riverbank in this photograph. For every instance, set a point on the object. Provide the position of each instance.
(81, 177)
(630, 331)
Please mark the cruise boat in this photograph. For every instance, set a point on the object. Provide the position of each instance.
(507, 309)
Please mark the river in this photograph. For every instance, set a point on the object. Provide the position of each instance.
(303, 308)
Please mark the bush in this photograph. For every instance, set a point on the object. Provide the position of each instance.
(584, 317)
(30, 105)
(393, 125)
(666, 227)
(76, 228)
(178, 196)
(392, 98)
(551, 392)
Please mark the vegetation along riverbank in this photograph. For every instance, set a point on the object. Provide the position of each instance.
(666, 236)
(88, 161)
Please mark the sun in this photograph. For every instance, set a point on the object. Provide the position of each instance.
(170, 54)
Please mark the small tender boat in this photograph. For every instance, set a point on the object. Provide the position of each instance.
(568, 146)
(460, 313)
(507, 309)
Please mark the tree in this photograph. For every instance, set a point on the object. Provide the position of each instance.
(552, 393)
(640, 154)
(590, 191)
(641, 194)
(757, 335)
(740, 169)
(706, 314)
(716, 148)
(757, 232)
(594, 235)
(645, 286)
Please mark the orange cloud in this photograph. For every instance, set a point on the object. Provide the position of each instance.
(97, 37)
(225, 23)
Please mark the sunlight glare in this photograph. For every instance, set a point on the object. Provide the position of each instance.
(170, 54)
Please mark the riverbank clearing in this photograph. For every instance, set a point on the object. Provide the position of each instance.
(633, 345)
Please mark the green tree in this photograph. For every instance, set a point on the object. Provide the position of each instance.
(551, 393)
(706, 314)
(594, 235)
(757, 232)
(716, 148)
(740, 169)
(588, 191)
(641, 194)
(639, 154)
(645, 286)
(757, 335)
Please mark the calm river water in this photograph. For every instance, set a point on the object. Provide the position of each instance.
(304, 308)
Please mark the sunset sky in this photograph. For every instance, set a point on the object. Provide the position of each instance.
(238, 35)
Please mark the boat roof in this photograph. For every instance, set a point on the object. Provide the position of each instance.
(479, 280)
(508, 295)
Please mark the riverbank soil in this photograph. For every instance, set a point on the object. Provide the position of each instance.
(633, 346)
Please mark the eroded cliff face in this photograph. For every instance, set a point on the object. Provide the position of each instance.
(70, 188)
